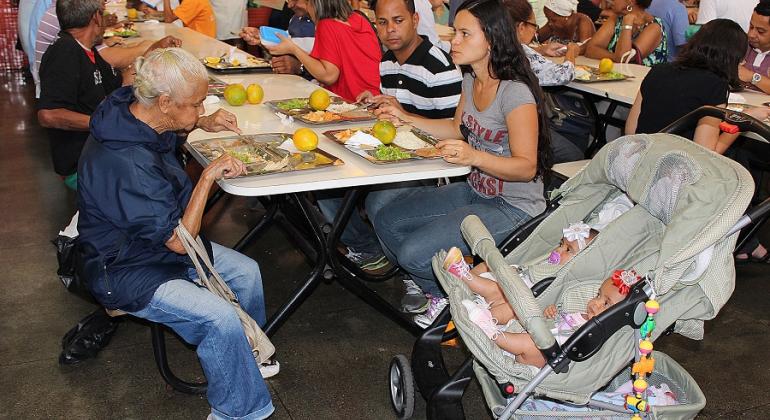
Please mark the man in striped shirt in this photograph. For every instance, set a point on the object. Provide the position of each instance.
(416, 76)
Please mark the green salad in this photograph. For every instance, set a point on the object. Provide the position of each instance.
(296, 103)
(613, 75)
(390, 153)
(244, 157)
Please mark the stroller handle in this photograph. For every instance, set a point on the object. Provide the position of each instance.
(744, 122)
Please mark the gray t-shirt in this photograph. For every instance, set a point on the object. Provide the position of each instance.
(488, 131)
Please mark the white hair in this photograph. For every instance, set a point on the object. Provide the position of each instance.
(172, 71)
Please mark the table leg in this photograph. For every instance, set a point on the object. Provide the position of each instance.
(271, 209)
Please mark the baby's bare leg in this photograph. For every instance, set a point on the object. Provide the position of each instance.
(521, 346)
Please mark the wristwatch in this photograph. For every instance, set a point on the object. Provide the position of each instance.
(628, 27)
(756, 78)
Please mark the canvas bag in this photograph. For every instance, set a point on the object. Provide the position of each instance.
(261, 346)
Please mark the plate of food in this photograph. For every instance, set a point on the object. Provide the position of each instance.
(587, 74)
(408, 143)
(126, 30)
(739, 107)
(224, 64)
(336, 111)
(264, 153)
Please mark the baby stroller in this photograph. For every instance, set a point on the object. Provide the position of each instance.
(681, 234)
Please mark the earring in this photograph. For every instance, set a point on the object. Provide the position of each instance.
(629, 9)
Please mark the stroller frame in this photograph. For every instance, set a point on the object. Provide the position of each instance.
(443, 392)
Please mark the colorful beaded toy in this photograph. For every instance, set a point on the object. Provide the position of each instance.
(637, 401)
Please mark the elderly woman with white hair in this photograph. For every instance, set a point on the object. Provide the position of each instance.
(565, 24)
(132, 194)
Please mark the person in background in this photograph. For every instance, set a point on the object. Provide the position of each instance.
(630, 28)
(195, 14)
(440, 12)
(548, 73)
(738, 11)
(230, 16)
(755, 71)
(346, 53)
(119, 56)
(302, 31)
(499, 129)
(701, 75)
(417, 78)
(675, 23)
(565, 23)
(133, 194)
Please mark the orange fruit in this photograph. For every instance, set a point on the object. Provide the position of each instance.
(132, 13)
(254, 93)
(605, 65)
(305, 139)
(235, 94)
(384, 131)
(319, 100)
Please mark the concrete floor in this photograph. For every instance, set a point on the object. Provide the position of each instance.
(334, 351)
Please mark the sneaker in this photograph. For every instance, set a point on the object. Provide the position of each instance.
(437, 304)
(269, 369)
(480, 315)
(455, 264)
(414, 300)
(368, 261)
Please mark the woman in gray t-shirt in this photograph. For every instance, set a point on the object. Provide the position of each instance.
(504, 139)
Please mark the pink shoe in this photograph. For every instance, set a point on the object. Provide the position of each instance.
(455, 264)
(481, 316)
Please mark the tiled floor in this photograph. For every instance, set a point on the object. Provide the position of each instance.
(334, 351)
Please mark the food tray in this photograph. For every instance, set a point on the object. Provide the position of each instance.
(369, 153)
(300, 113)
(594, 76)
(262, 155)
(252, 64)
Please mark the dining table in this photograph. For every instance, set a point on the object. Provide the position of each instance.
(286, 195)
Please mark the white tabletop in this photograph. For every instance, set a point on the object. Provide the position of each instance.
(254, 119)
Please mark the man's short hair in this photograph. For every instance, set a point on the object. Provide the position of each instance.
(76, 13)
(763, 8)
(410, 6)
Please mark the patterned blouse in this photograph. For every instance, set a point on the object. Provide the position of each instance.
(657, 56)
(547, 72)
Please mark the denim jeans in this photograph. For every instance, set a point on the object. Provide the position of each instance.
(416, 227)
(236, 389)
(357, 234)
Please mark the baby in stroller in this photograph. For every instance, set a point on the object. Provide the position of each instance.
(492, 312)
(576, 237)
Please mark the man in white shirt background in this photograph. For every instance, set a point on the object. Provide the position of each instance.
(738, 11)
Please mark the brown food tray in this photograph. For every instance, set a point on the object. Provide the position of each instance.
(250, 66)
(299, 113)
(369, 154)
(261, 153)
(597, 77)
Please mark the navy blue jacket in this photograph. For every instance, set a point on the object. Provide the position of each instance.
(132, 192)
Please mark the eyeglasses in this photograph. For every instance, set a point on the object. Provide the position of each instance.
(532, 24)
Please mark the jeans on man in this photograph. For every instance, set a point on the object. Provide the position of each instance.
(415, 228)
(235, 387)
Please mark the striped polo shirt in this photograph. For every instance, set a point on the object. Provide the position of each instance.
(427, 84)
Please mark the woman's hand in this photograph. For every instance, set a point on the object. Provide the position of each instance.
(225, 166)
(573, 51)
(221, 120)
(550, 311)
(287, 46)
(458, 152)
(250, 35)
(364, 97)
(760, 113)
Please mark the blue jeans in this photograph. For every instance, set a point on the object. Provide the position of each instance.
(357, 234)
(416, 227)
(236, 389)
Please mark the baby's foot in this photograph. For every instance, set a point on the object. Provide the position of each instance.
(455, 264)
(482, 317)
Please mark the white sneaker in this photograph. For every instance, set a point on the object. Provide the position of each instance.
(437, 305)
(269, 369)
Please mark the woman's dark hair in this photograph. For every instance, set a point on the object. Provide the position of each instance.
(719, 46)
(520, 10)
(507, 61)
(332, 9)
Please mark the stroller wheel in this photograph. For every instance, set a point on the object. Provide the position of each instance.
(401, 387)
